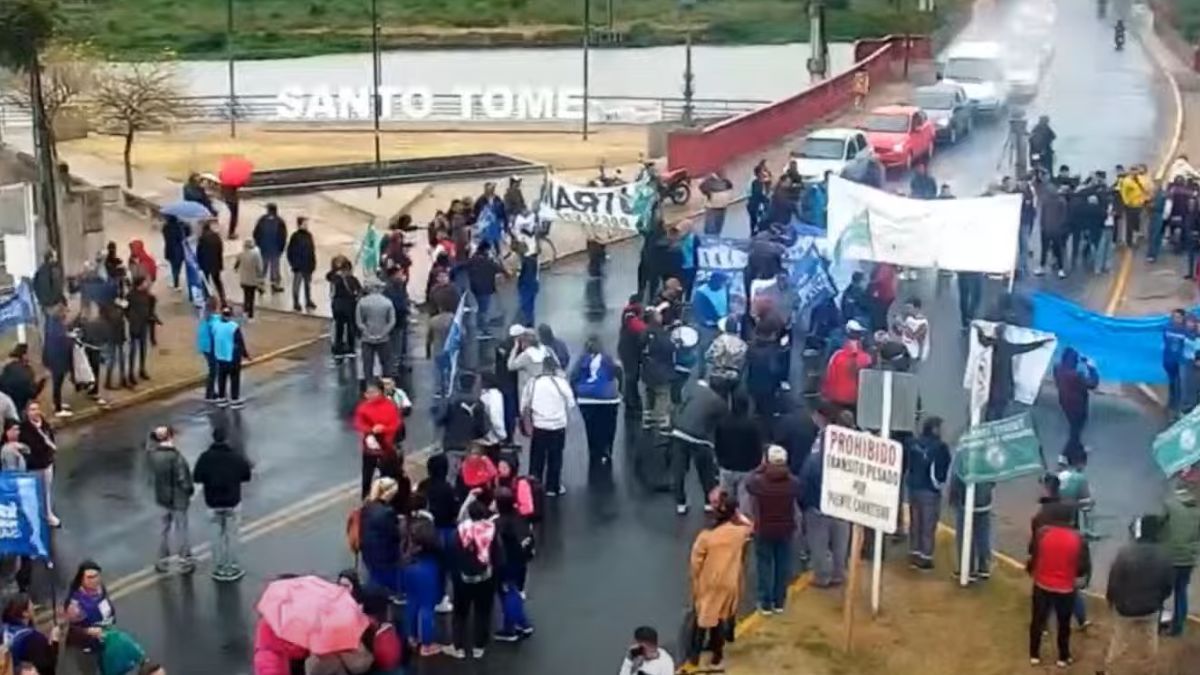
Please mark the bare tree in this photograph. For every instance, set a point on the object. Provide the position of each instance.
(137, 97)
(68, 74)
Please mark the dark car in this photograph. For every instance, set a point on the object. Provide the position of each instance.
(948, 106)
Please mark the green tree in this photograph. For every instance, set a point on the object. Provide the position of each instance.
(137, 97)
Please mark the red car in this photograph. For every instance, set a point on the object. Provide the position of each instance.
(900, 135)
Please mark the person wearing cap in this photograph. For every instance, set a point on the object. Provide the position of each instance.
(270, 234)
(840, 386)
(229, 349)
(375, 317)
(773, 492)
(222, 470)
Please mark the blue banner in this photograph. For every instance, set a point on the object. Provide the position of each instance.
(23, 528)
(197, 291)
(1124, 349)
(18, 309)
(811, 279)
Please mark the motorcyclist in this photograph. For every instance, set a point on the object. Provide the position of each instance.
(1041, 144)
(1119, 33)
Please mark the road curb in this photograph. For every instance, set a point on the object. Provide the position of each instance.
(170, 388)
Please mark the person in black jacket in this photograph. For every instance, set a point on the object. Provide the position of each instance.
(516, 540)
(141, 315)
(38, 436)
(175, 234)
(658, 367)
(926, 465)
(222, 470)
(17, 379)
(396, 290)
(1139, 582)
(738, 443)
(48, 284)
(26, 644)
(270, 235)
(477, 556)
(193, 191)
(302, 258)
(210, 257)
(346, 291)
(442, 502)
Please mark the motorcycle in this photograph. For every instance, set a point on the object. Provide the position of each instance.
(676, 185)
(1119, 36)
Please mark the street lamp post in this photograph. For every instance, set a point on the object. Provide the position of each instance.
(376, 103)
(233, 107)
(689, 90)
(587, 30)
(818, 63)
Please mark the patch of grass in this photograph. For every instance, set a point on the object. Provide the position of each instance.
(267, 28)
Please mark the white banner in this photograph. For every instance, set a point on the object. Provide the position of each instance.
(970, 235)
(861, 478)
(620, 207)
(1029, 369)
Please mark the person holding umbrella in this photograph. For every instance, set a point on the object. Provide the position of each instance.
(306, 617)
(234, 174)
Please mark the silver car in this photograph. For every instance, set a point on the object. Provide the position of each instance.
(947, 105)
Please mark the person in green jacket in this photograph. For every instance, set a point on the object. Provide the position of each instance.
(1181, 539)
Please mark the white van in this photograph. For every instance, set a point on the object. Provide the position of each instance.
(979, 68)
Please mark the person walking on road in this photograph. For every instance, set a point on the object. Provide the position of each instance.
(270, 235)
(1001, 388)
(1174, 336)
(302, 258)
(38, 436)
(210, 257)
(249, 266)
(175, 234)
(1075, 377)
(1059, 557)
(375, 317)
(378, 421)
(926, 466)
(1181, 539)
(204, 345)
(482, 272)
(222, 470)
(595, 380)
(477, 555)
(1054, 230)
(346, 291)
(173, 489)
(717, 575)
(229, 349)
(773, 492)
(1140, 580)
(692, 439)
(546, 403)
(57, 352)
(1135, 191)
(379, 535)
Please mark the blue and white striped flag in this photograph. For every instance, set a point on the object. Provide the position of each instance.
(197, 287)
(454, 339)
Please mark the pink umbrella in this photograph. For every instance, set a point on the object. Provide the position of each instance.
(312, 613)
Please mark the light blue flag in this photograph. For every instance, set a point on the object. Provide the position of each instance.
(23, 527)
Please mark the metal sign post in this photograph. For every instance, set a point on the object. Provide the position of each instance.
(877, 559)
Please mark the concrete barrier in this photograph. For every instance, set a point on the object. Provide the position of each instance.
(703, 150)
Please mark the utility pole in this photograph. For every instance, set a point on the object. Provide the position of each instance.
(610, 17)
(377, 103)
(689, 90)
(43, 139)
(587, 29)
(233, 107)
(818, 63)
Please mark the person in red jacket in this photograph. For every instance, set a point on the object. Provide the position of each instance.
(1059, 557)
(378, 420)
(774, 493)
(841, 373)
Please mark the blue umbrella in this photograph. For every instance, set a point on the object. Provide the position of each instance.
(186, 210)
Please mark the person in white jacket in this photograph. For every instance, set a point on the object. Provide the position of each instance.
(645, 657)
(546, 402)
(493, 406)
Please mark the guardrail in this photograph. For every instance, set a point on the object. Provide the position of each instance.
(704, 150)
(443, 107)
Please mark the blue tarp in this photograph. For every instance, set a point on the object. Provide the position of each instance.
(1124, 349)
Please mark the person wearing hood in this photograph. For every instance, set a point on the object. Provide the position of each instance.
(557, 347)
(774, 492)
(464, 419)
(142, 265)
(270, 235)
(249, 266)
(229, 349)
(1181, 540)
(595, 379)
(926, 468)
(1053, 227)
(17, 378)
(222, 470)
(210, 257)
(302, 258)
(175, 234)
(173, 489)
(49, 286)
(1140, 580)
(375, 317)
(1075, 377)
(57, 351)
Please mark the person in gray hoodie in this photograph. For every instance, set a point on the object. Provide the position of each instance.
(376, 317)
(692, 439)
(1139, 582)
(249, 266)
(173, 489)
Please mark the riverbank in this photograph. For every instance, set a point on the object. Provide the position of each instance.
(264, 29)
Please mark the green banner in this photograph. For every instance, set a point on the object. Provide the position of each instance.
(1178, 447)
(999, 451)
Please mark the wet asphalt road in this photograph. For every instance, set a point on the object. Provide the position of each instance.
(611, 556)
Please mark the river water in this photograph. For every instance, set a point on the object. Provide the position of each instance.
(756, 72)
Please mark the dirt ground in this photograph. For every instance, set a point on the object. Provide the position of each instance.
(929, 626)
(200, 148)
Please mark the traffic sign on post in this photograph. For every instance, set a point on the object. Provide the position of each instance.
(871, 383)
(861, 482)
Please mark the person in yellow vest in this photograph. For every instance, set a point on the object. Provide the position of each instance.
(1135, 190)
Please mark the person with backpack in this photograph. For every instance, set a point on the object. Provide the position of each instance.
(378, 420)
(516, 540)
(546, 403)
(527, 492)
(23, 642)
(594, 379)
(379, 535)
(476, 558)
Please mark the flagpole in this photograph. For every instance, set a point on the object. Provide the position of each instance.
(964, 573)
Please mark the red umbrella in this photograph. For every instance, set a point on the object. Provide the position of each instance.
(235, 172)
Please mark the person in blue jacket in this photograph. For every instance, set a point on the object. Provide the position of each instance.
(759, 197)
(594, 380)
(1173, 338)
(57, 352)
(204, 345)
(229, 348)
